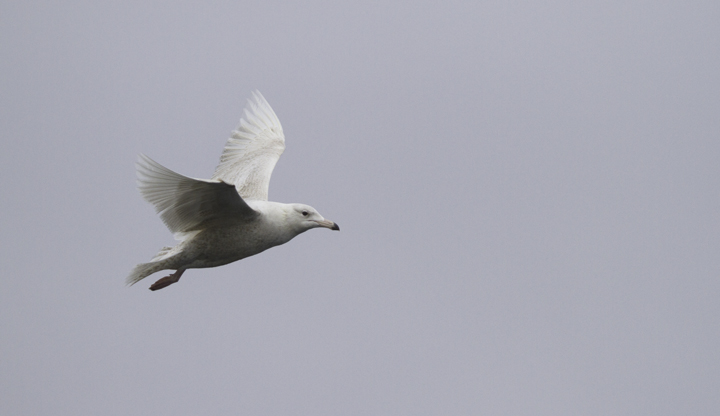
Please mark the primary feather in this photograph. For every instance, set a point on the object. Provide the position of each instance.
(252, 150)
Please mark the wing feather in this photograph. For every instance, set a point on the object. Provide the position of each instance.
(186, 204)
(252, 150)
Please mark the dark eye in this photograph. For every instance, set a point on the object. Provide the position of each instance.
(305, 213)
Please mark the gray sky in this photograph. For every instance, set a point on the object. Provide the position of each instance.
(527, 191)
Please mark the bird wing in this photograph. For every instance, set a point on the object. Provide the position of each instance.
(252, 151)
(187, 204)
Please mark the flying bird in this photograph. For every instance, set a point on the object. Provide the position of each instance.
(228, 217)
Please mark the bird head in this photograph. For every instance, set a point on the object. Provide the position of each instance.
(306, 217)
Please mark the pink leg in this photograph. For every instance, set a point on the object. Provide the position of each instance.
(167, 280)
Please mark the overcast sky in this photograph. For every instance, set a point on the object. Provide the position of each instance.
(528, 194)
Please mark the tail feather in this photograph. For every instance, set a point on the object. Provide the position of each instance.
(162, 253)
(159, 262)
(142, 271)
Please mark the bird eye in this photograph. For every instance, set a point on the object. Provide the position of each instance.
(305, 213)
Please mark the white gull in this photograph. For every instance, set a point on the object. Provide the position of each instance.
(226, 218)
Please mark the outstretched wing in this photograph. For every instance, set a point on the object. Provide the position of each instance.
(252, 151)
(187, 204)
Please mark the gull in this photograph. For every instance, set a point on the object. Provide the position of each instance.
(228, 217)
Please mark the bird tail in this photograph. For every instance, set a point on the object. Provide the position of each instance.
(157, 263)
(142, 271)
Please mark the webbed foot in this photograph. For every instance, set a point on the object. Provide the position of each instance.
(167, 280)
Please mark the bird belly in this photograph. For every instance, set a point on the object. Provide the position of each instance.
(219, 246)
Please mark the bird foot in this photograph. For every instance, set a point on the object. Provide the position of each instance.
(167, 280)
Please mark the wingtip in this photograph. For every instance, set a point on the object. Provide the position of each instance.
(260, 113)
(261, 106)
(256, 98)
(144, 165)
(143, 161)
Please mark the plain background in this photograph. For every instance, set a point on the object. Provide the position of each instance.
(527, 191)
